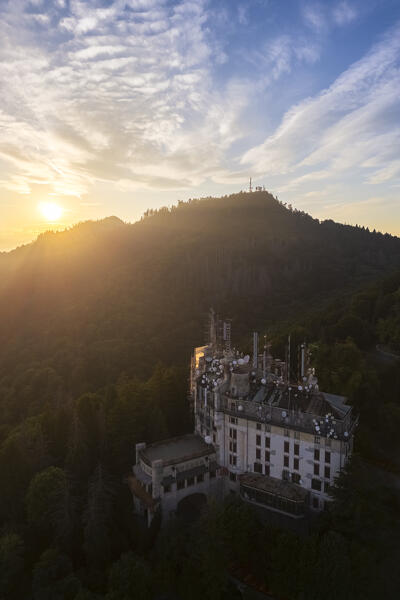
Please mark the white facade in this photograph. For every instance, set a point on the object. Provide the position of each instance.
(278, 443)
(260, 423)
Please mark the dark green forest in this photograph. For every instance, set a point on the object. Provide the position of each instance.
(97, 324)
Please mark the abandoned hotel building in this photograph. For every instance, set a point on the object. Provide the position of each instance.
(275, 440)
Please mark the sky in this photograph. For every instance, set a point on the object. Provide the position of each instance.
(110, 107)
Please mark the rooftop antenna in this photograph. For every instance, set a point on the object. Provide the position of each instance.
(255, 350)
(227, 335)
(289, 387)
(213, 330)
(250, 186)
(265, 357)
(303, 352)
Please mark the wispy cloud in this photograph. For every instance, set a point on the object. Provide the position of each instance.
(344, 13)
(314, 16)
(117, 93)
(352, 125)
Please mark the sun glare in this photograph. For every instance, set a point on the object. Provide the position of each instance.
(51, 212)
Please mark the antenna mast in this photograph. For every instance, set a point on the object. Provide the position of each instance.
(250, 186)
(255, 350)
(265, 357)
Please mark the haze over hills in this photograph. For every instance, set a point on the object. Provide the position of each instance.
(139, 292)
(96, 328)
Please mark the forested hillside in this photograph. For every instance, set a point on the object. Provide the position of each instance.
(96, 328)
(105, 297)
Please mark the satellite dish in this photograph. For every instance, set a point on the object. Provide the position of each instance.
(240, 407)
(253, 373)
(263, 381)
(300, 388)
(246, 359)
(346, 434)
(241, 361)
(207, 439)
(208, 358)
(284, 413)
(235, 362)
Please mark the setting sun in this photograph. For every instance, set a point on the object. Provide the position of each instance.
(51, 212)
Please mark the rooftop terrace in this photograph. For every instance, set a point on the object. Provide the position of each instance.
(177, 449)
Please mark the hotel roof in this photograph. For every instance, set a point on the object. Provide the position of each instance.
(177, 449)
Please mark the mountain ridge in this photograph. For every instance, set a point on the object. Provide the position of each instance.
(141, 290)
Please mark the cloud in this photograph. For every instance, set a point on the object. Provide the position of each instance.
(118, 92)
(314, 17)
(344, 13)
(349, 127)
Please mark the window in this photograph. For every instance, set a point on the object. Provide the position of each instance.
(233, 420)
(296, 464)
(327, 472)
(213, 474)
(296, 477)
(180, 484)
(297, 449)
(316, 469)
(259, 426)
(232, 476)
(267, 442)
(327, 457)
(200, 478)
(232, 460)
(190, 481)
(328, 442)
(317, 439)
(285, 475)
(316, 454)
(316, 484)
(286, 433)
(233, 433)
(258, 453)
(286, 446)
(267, 427)
(266, 470)
(297, 435)
(214, 438)
(315, 502)
(267, 456)
(233, 446)
(327, 487)
(257, 467)
(167, 488)
(258, 440)
(285, 461)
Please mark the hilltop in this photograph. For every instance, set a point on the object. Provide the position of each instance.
(119, 297)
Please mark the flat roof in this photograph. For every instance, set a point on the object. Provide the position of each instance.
(272, 485)
(177, 449)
